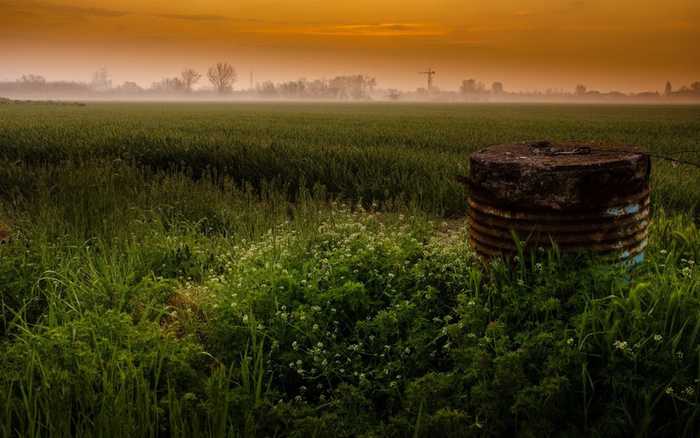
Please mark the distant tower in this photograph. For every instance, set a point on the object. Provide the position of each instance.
(430, 73)
(669, 89)
(252, 85)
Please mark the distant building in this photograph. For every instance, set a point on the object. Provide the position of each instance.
(497, 88)
(471, 86)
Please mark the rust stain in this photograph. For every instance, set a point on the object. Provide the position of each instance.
(561, 176)
(575, 196)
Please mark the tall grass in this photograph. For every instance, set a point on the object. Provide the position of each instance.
(411, 152)
(218, 270)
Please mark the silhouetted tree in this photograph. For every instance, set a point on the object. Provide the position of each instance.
(669, 89)
(267, 89)
(471, 86)
(32, 82)
(695, 86)
(222, 76)
(581, 90)
(293, 89)
(169, 85)
(370, 83)
(318, 88)
(351, 87)
(32, 79)
(189, 77)
(497, 88)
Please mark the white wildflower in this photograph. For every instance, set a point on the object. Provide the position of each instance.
(621, 345)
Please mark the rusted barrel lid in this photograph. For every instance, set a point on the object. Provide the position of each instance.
(557, 176)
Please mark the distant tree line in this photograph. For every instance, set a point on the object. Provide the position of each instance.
(474, 90)
(222, 77)
(685, 91)
(353, 87)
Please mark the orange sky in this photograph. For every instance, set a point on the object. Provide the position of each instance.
(622, 44)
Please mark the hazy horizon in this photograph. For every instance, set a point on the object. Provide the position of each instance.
(528, 45)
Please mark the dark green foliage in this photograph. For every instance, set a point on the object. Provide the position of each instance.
(383, 152)
(252, 270)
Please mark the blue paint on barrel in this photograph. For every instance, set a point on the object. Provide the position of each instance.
(622, 211)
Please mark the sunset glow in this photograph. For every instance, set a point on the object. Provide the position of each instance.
(625, 44)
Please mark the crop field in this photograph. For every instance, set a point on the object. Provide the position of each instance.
(268, 270)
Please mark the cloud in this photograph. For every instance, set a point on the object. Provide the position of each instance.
(193, 17)
(469, 44)
(205, 17)
(376, 30)
(33, 6)
(39, 7)
(488, 29)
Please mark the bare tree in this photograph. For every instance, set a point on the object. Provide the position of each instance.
(222, 76)
(189, 78)
(32, 82)
(33, 79)
(267, 89)
(369, 84)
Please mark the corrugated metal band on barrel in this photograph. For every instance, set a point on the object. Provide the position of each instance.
(621, 229)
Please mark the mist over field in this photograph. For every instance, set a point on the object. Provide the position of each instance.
(220, 80)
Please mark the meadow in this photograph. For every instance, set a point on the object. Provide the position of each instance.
(303, 270)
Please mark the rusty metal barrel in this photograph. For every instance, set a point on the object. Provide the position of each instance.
(579, 197)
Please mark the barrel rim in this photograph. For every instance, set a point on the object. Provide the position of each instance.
(524, 155)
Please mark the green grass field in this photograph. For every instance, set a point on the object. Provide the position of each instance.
(303, 270)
